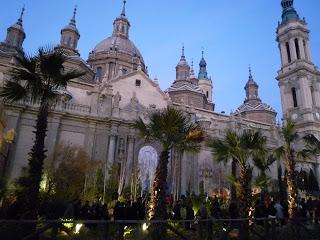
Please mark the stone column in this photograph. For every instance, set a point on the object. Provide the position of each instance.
(284, 98)
(308, 51)
(301, 47)
(292, 50)
(53, 133)
(14, 118)
(129, 161)
(284, 54)
(184, 172)
(316, 93)
(90, 139)
(112, 146)
(305, 92)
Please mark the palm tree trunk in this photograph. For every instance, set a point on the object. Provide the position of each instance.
(234, 174)
(37, 156)
(292, 187)
(157, 206)
(245, 198)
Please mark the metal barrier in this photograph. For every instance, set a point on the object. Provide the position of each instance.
(198, 229)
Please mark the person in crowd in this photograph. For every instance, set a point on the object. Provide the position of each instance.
(309, 207)
(215, 209)
(279, 212)
(177, 211)
(69, 212)
(85, 211)
(141, 209)
(189, 214)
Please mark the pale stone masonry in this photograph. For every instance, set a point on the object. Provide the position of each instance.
(96, 111)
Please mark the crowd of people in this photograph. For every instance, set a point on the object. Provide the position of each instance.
(184, 208)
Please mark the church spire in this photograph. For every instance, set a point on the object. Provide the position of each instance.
(183, 68)
(19, 22)
(203, 68)
(288, 11)
(123, 13)
(121, 24)
(73, 19)
(192, 71)
(183, 57)
(251, 88)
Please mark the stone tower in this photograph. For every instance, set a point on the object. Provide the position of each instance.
(299, 79)
(70, 36)
(15, 34)
(205, 83)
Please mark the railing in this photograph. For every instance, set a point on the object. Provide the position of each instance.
(206, 229)
(58, 106)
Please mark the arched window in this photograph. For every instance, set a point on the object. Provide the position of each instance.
(69, 42)
(123, 29)
(207, 93)
(294, 97)
(296, 43)
(99, 73)
(288, 52)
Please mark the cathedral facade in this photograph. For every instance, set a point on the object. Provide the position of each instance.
(96, 111)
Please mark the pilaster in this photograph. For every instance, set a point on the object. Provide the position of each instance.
(130, 157)
(90, 139)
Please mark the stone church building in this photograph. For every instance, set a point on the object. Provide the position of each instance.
(96, 110)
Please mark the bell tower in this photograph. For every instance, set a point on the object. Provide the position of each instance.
(298, 78)
(15, 34)
(70, 36)
(121, 24)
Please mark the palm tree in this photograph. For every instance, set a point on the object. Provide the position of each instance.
(172, 129)
(242, 148)
(263, 164)
(289, 154)
(37, 78)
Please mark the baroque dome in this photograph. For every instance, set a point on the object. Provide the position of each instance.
(122, 45)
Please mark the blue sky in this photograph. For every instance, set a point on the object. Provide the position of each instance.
(233, 33)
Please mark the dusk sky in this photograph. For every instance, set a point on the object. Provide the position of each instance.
(233, 34)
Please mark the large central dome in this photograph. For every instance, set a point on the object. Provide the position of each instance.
(118, 44)
(116, 55)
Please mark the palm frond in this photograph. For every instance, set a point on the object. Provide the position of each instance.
(142, 128)
(220, 150)
(279, 152)
(233, 180)
(262, 181)
(13, 91)
(289, 132)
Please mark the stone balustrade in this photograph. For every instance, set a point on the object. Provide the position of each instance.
(58, 106)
